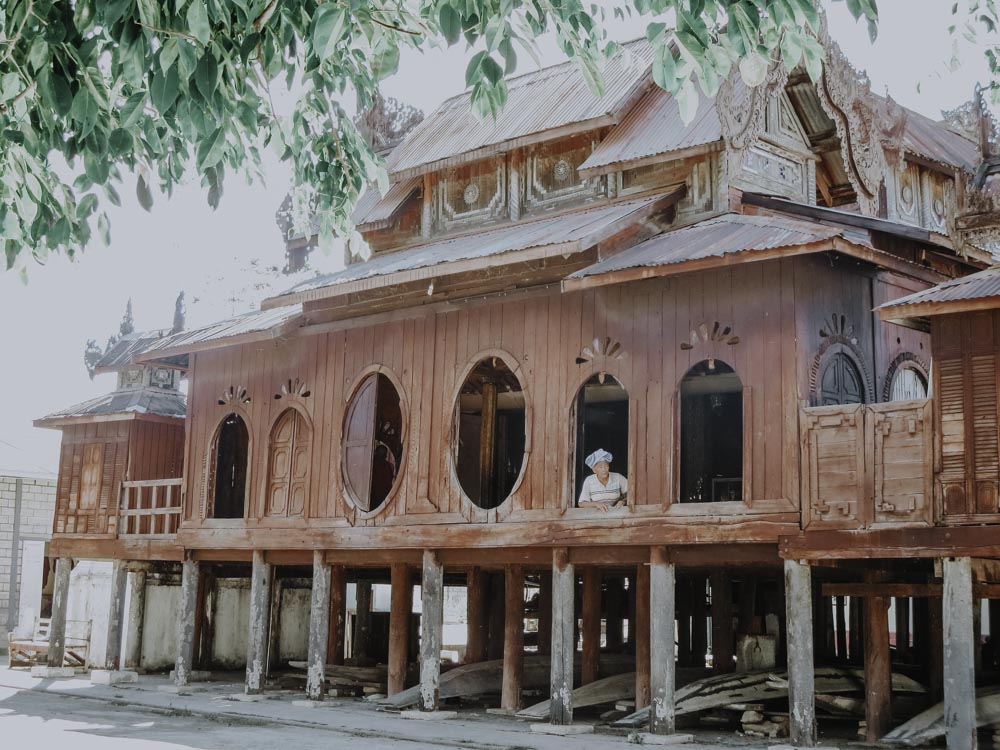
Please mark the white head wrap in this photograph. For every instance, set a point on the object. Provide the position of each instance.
(596, 457)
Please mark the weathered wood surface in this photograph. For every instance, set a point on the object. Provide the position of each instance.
(486, 678)
(930, 725)
(340, 675)
(755, 687)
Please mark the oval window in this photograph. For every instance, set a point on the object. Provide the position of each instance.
(373, 442)
(908, 383)
(489, 433)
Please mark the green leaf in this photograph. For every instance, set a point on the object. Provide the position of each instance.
(104, 228)
(450, 24)
(212, 149)
(472, 70)
(492, 70)
(84, 111)
(10, 86)
(328, 29)
(120, 142)
(197, 18)
(143, 193)
(386, 60)
(131, 110)
(206, 76)
(164, 88)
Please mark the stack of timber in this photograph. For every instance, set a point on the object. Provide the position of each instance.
(486, 678)
(343, 677)
(759, 687)
(928, 726)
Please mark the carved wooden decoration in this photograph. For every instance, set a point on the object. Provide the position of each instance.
(234, 395)
(717, 333)
(870, 127)
(606, 347)
(288, 465)
(838, 326)
(293, 388)
(742, 109)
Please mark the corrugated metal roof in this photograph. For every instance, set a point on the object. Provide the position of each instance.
(538, 101)
(553, 230)
(938, 142)
(153, 401)
(250, 322)
(123, 351)
(654, 127)
(372, 208)
(974, 287)
(723, 235)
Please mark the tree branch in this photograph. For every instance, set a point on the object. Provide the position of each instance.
(168, 32)
(12, 42)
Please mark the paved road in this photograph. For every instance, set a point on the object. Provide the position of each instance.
(37, 721)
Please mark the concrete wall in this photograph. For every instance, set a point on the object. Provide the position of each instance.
(159, 628)
(231, 613)
(293, 631)
(32, 500)
(90, 599)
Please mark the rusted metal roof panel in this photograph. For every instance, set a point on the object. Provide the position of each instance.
(151, 401)
(717, 237)
(543, 100)
(126, 348)
(654, 127)
(373, 208)
(977, 286)
(552, 230)
(255, 321)
(938, 142)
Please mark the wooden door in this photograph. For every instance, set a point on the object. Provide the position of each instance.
(288, 471)
(902, 463)
(833, 477)
(841, 382)
(359, 441)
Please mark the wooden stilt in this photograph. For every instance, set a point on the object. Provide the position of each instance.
(591, 625)
(630, 612)
(901, 609)
(878, 669)
(495, 619)
(116, 616)
(563, 615)
(935, 651)
(57, 624)
(747, 605)
(613, 613)
(274, 624)
(338, 614)
(362, 620)
(476, 622)
(136, 619)
(801, 682)
(994, 613)
(723, 647)
(840, 618)
(545, 613)
(684, 655)
(203, 620)
(959, 653)
(856, 632)
(513, 642)
(699, 622)
(642, 636)
(319, 628)
(400, 607)
(662, 669)
(257, 639)
(185, 621)
(431, 622)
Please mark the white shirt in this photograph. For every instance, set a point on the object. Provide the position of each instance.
(594, 492)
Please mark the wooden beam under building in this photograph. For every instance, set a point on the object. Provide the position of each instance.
(476, 620)
(591, 625)
(878, 668)
(513, 642)
(642, 636)
(338, 614)
(400, 607)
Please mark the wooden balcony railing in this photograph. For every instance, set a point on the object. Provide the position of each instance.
(150, 509)
(867, 466)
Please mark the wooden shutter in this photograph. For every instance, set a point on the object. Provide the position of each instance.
(91, 474)
(301, 455)
(902, 462)
(950, 399)
(983, 398)
(359, 441)
(833, 476)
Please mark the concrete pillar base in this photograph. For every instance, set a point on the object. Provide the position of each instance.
(113, 677)
(562, 730)
(429, 715)
(195, 675)
(52, 672)
(647, 738)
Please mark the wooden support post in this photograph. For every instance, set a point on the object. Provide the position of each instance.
(856, 633)
(495, 619)
(699, 622)
(748, 605)
(338, 614)
(362, 620)
(319, 628)
(487, 446)
(202, 619)
(57, 624)
(476, 622)
(190, 573)
(630, 612)
(274, 622)
(135, 618)
(801, 681)
(935, 652)
(662, 669)
(563, 648)
(257, 638)
(591, 625)
(513, 640)
(994, 613)
(959, 669)
(642, 636)
(431, 623)
(116, 616)
(901, 608)
(614, 609)
(684, 657)
(840, 619)
(878, 669)
(722, 624)
(400, 609)
(545, 613)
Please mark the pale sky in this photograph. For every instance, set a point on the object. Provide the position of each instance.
(183, 244)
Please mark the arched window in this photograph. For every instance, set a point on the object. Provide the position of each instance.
(601, 411)
(232, 447)
(711, 434)
(907, 383)
(841, 382)
(373, 442)
(288, 464)
(490, 433)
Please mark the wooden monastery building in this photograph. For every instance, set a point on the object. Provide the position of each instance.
(710, 303)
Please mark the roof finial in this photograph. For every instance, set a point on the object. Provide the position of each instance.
(179, 314)
(128, 325)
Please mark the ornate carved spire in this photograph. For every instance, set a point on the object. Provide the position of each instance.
(870, 127)
(741, 110)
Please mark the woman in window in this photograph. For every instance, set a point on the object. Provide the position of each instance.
(604, 488)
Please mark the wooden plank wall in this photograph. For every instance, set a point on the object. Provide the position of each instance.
(72, 516)
(541, 336)
(156, 451)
